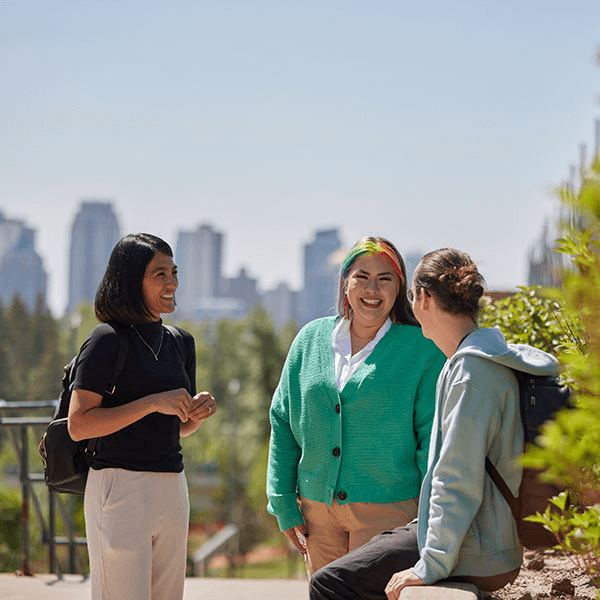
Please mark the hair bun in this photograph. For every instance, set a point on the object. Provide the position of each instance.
(454, 278)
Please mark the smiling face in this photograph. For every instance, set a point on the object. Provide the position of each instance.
(372, 286)
(159, 285)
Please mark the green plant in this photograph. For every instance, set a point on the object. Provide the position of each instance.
(569, 448)
(577, 533)
(10, 530)
(533, 316)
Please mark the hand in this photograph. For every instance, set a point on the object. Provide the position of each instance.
(203, 406)
(297, 536)
(399, 581)
(174, 402)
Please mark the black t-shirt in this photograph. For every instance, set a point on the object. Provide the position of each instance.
(152, 443)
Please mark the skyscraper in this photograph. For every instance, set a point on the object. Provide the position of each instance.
(321, 266)
(242, 288)
(199, 257)
(282, 304)
(94, 233)
(21, 268)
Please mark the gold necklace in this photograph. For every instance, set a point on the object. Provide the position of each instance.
(155, 354)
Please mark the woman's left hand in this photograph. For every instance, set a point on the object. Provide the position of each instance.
(203, 407)
(399, 581)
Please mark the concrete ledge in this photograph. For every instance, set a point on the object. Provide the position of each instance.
(441, 591)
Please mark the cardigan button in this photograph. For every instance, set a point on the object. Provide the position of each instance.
(338, 409)
(336, 451)
(342, 495)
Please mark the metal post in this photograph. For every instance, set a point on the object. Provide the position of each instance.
(25, 570)
(232, 398)
(52, 533)
(71, 529)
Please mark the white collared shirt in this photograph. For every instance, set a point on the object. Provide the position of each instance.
(346, 364)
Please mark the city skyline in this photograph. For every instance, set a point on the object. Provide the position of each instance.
(431, 124)
(263, 288)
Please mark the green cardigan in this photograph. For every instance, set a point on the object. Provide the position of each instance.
(368, 443)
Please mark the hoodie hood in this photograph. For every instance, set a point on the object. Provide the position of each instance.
(490, 343)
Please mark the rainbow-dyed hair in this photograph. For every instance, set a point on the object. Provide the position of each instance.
(401, 311)
(370, 246)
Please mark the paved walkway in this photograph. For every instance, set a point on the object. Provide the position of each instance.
(48, 587)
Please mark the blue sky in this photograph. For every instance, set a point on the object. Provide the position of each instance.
(433, 124)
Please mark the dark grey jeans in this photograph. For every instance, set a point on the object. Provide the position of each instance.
(363, 573)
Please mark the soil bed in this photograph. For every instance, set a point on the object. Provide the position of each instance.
(547, 575)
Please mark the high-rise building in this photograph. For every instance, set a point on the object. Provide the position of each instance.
(321, 269)
(242, 288)
(94, 233)
(546, 264)
(21, 268)
(199, 257)
(282, 304)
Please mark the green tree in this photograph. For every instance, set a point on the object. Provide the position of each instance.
(30, 358)
(5, 373)
(44, 376)
(19, 348)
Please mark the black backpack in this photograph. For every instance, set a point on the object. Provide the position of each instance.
(540, 398)
(66, 462)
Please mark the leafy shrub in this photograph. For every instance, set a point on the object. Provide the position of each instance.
(533, 316)
(10, 530)
(570, 446)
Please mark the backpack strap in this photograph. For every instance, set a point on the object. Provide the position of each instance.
(503, 488)
(112, 384)
(121, 358)
(179, 342)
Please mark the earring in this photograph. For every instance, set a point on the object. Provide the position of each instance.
(346, 308)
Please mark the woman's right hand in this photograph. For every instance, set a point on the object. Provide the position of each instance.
(87, 418)
(297, 537)
(174, 402)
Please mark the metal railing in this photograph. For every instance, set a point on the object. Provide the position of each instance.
(226, 541)
(19, 430)
(61, 507)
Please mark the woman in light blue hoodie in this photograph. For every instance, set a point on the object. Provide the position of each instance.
(464, 530)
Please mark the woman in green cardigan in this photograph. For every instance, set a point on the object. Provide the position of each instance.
(352, 414)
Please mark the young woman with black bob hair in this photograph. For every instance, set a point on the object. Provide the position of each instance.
(464, 530)
(136, 499)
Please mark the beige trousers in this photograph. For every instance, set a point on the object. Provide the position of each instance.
(337, 529)
(136, 528)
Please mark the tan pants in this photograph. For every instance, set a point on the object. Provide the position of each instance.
(337, 529)
(136, 527)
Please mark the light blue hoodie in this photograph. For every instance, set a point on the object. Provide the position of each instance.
(465, 526)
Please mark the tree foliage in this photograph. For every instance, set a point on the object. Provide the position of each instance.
(30, 357)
